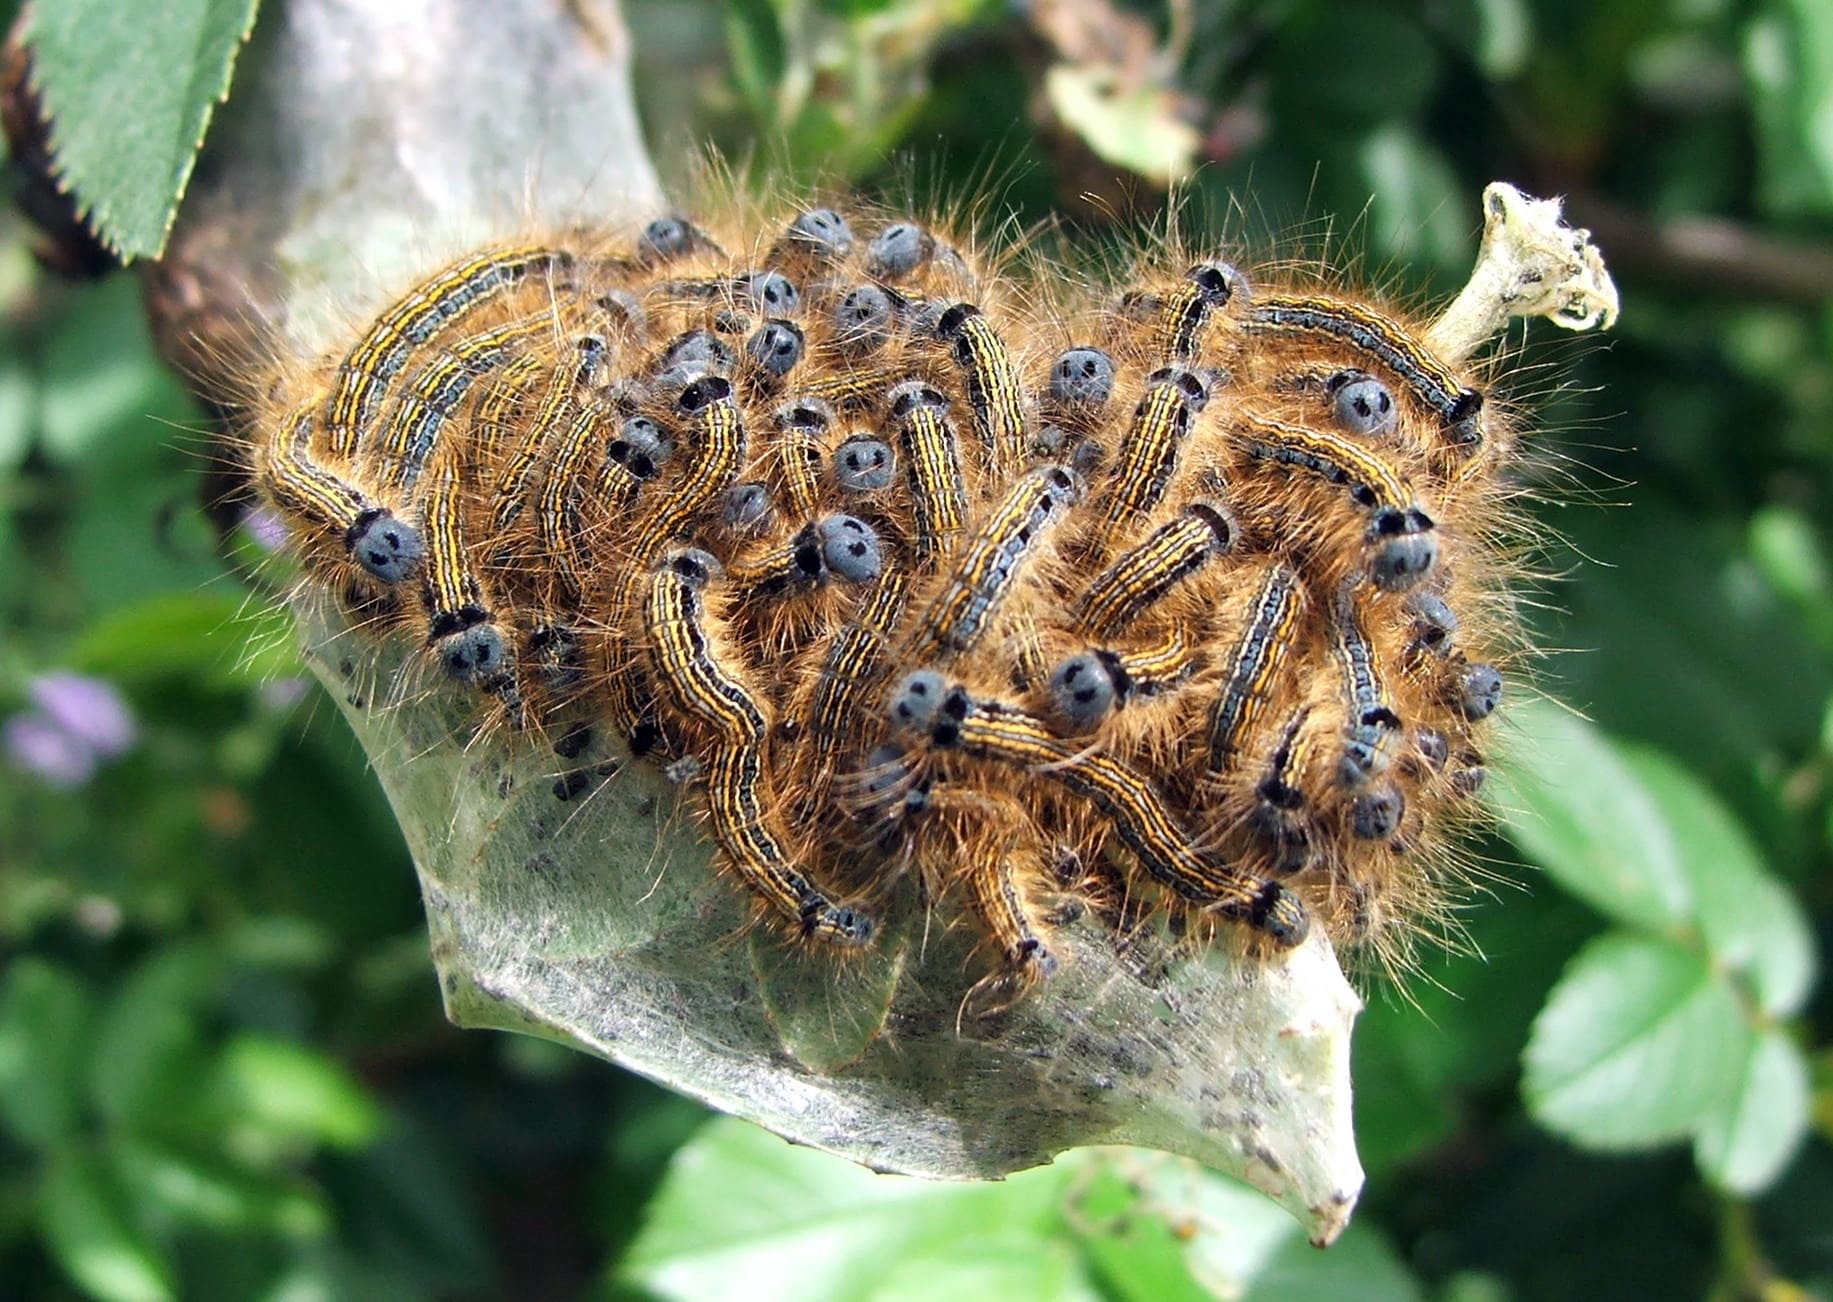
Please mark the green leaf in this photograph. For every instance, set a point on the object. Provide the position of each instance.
(1788, 59)
(280, 942)
(1751, 923)
(216, 639)
(1638, 837)
(754, 36)
(1505, 36)
(88, 1232)
(129, 91)
(148, 1046)
(45, 1015)
(1644, 1040)
(1117, 1223)
(100, 383)
(1576, 808)
(1360, 1265)
(1236, 1245)
(1744, 1146)
(18, 408)
(1416, 211)
(1134, 1257)
(292, 1091)
(988, 1266)
(1639, 1043)
(740, 1204)
(1137, 128)
(1401, 1108)
(204, 1190)
(1785, 545)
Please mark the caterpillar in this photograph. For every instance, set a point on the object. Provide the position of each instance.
(1204, 602)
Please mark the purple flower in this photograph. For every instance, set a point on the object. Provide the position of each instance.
(37, 745)
(283, 693)
(266, 527)
(74, 724)
(88, 709)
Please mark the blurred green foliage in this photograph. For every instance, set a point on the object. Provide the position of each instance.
(223, 1069)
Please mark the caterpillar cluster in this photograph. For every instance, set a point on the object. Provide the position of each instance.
(1138, 598)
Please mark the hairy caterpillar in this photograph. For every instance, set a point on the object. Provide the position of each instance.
(809, 509)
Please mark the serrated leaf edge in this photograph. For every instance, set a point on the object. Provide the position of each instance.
(88, 213)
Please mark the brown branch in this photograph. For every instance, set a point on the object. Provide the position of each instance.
(1708, 255)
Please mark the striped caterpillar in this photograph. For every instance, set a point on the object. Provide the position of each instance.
(1203, 602)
